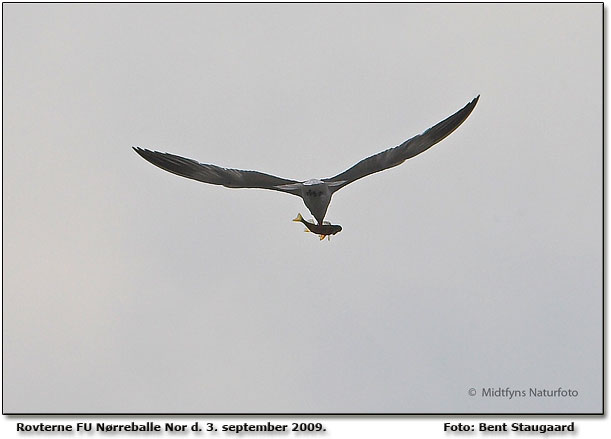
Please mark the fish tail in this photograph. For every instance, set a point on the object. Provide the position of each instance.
(299, 218)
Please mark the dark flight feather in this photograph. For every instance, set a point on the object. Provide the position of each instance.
(231, 178)
(408, 149)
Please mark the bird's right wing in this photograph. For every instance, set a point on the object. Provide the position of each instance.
(232, 178)
(408, 149)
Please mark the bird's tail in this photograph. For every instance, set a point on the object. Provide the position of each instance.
(299, 218)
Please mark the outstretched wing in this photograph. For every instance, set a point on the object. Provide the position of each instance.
(232, 178)
(408, 149)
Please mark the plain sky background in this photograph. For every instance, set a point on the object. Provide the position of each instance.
(476, 264)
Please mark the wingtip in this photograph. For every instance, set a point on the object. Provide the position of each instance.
(471, 105)
(142, 152)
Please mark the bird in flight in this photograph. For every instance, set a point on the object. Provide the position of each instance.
(316, 193)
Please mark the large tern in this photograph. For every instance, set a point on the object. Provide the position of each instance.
(316, 193)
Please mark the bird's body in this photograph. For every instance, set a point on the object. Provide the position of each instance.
(317, 197)
(316, 193)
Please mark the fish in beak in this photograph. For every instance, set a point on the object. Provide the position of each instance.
(323, 231)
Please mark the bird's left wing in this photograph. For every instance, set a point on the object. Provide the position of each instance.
(408, 149)
(232, 178)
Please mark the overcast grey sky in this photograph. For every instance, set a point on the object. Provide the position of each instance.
(476, 264)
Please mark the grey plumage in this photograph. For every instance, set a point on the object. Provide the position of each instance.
(316, 194)
(232, 178)
(395, 156)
